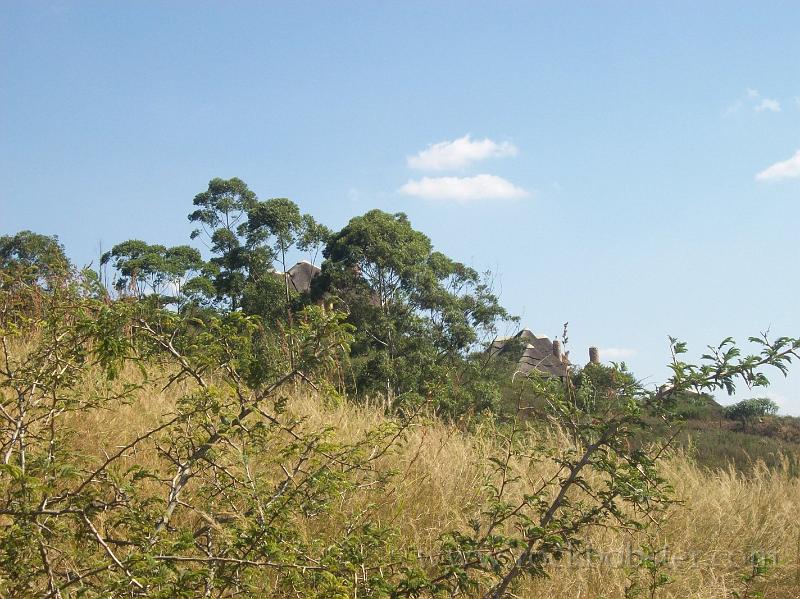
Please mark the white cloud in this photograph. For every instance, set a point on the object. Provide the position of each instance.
(612, 354)
(767, 104)
(459, 153)
(786, 169)
(756, 101)
(463, 189)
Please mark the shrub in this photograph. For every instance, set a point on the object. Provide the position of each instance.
(749, 409)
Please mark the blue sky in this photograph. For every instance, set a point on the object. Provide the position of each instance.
(602, 159)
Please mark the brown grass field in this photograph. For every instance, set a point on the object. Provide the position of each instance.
(723, 517)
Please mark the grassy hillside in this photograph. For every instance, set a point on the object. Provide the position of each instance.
(147, 452)
(710, 439)
(441, 472)
(439, 483)
(716, 442)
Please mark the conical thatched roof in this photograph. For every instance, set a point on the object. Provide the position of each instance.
(301, 274)
(537, 353)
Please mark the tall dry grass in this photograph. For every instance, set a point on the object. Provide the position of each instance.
(723, 516)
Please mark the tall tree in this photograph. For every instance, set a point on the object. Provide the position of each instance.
(417, 313)
(278, 225)
(222, 219)
(154, 268)
(140, 265)
(180, 262)
(33, 257)
(314, 237)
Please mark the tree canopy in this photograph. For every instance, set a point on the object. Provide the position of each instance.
(222, 219)
(33, 257)
(274, 228)
(748, 409)
(156, 268)
(417, 313)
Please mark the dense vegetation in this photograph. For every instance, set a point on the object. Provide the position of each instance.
(416, 315)
(205, 430)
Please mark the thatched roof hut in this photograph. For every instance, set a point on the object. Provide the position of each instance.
(538, 353)
(301, 274)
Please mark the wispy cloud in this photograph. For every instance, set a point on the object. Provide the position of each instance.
(753, 99)
(768, 104)
(616, 353)
(786, 169)
(463, 189)
(459, 153)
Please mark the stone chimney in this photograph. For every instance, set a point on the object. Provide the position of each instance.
(557, 349)
(594, 355)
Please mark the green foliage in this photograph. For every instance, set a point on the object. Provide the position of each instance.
(213, 499)
(749, 409)
(761, 565)
(597, 385)
(416, 312)
(724, 365)
(313, 236)
(32, 257)
(275, 227)
(277, 220)
(647, 576)
(192, 519)
(221, 216)
(156, 268)
(697, 406)
(209, 500)
(247, 237)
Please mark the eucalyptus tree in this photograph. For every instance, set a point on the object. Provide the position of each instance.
(221, 216)
(181, 262)
(33, 257)
(278, 225)
(417, 313)
(153, 268)
(313, 238)
(139, 265)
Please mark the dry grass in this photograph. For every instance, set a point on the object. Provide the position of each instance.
(724, 518)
